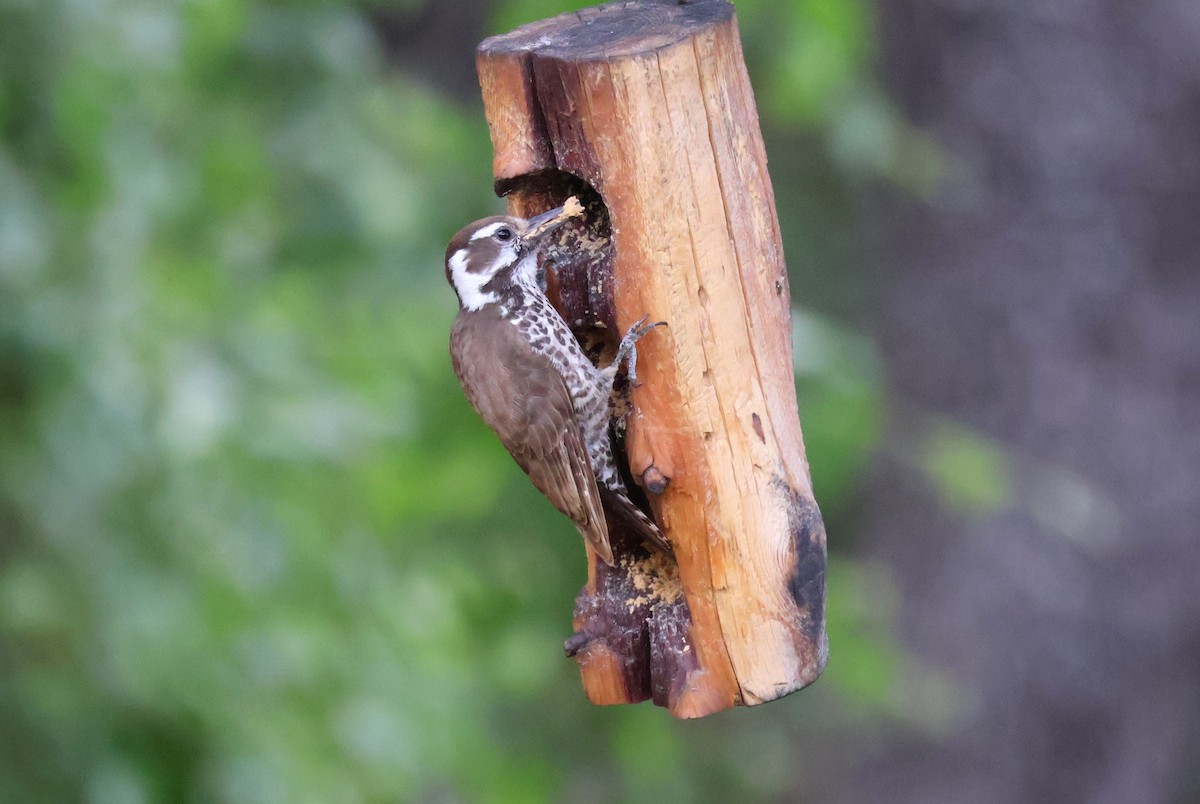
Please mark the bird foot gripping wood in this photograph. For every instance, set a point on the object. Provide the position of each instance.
(627, 351)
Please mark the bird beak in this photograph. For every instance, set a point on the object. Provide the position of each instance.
(540, 225)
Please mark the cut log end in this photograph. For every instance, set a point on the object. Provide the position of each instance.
(611, 31)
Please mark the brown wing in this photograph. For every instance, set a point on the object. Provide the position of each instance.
(518, 394)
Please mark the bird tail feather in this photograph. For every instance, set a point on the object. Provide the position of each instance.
(635, 518)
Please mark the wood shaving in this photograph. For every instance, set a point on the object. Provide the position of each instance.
(655, 579)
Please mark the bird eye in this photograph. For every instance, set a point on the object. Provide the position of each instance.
(504, 235)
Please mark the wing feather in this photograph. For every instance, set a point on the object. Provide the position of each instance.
(523, 399)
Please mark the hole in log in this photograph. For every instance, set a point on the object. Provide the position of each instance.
(578, 262)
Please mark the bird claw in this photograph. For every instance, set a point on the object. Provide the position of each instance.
(627, 351)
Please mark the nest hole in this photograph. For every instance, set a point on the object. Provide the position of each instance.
(578, 262)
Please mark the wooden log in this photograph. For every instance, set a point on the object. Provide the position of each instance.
(645, 111)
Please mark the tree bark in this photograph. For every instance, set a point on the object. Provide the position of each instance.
(645, 111)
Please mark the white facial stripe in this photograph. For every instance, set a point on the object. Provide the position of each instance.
(469, 285)
(488, 230)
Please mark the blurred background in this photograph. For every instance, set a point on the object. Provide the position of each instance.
(255, 547)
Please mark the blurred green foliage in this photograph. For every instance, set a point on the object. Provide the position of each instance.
(254, 545)
(970, 474)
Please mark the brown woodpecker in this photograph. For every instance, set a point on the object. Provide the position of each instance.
(528, 379)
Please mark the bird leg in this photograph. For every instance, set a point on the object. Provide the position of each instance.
(627, 351)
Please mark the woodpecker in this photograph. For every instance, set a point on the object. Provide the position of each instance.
(528, 379)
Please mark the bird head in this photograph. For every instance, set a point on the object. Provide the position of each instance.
(488, 254)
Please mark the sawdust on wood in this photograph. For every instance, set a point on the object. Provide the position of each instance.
(655, 580)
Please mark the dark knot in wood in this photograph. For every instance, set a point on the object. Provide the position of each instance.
(654, 481)
(575, 643)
